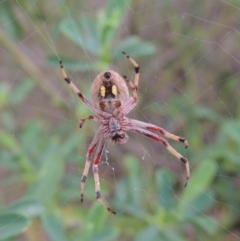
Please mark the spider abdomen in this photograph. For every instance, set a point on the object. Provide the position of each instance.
(117, 135)
(109, 91)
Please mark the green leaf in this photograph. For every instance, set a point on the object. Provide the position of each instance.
(227, 190)
(9, 21)
(150, 234)
(71, 64)
(28, 135)
(206, 223)
(206, 113)
(108, 26)
(93, 222)
(8, 121)
(90, 27)
(7, 161)
(12, 224)
(27, 207)
(106, 234)
(172, 236)
(54, 226)
(135, 211)
(121, 6)
(49, 175)
(164, 181)
(4, 94)
(92, 35)
(232, 129)
(21, 91)
(122, 191)
(73, 32)
(135, 188)
(199, 182)
(108, 23)
(135, 47)
(201, 204)
(9, 141)
(69, 29)
(97, 223)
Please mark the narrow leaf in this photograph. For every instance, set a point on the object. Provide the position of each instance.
(12, 224)
(133, 168)
(71, 64)
(199, 182)
(164, 181)
(206, 223)
(54, 226)
(27, 207)
(135, 47)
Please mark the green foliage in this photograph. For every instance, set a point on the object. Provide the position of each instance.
(13, 27)
(18, 223)
(206, 168)
(97, 36)
(28, 207)
(165, 211)
(54, 226)
(96, 227)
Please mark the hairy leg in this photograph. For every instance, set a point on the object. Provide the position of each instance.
(134, 86)
(96, 175)
(82, 121)
(166, 144)
(80, 94)
(152, 127)
(126, 107)
(88, 161)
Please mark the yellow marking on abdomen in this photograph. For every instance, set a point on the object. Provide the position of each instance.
(114, 90)
(102, 91)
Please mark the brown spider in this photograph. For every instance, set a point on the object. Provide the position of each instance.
(110, 104)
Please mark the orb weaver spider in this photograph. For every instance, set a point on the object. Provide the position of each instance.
(110, 105)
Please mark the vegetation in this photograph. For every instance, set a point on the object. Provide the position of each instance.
(188, 85)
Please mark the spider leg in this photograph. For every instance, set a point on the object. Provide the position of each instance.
(132, 101)
(88, 161)
(127, 106)
(82, 121)
(96, 175)
(152, 127)
(80, 94)
(132, 86)
(166, 144)
(136, 79)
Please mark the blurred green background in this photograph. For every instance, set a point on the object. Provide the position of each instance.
(189, 84)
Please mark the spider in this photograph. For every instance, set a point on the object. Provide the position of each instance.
(110, 105)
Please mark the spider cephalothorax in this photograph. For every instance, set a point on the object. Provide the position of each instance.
(110, 105)
(117, 133)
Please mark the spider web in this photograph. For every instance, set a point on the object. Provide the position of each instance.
(188, 86)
